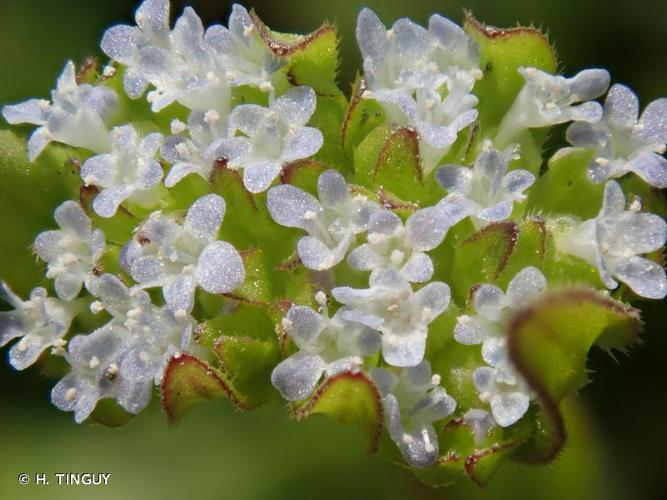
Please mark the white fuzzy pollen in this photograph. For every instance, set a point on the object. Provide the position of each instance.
(70, 394)
(94, 362)
(397, 257)
(144, 357)
(212, 117)
(321, 298)
(177, 127)
(309, 215)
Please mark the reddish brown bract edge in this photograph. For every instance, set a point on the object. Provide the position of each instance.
(289, 169)
(282, 49)
(473, 459)
(358, 88)
(551, 406)
(182, 359)
(495, 32)
(512, 231)
(400, 133)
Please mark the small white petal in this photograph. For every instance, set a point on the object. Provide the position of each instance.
(220, 268)
(296, 377)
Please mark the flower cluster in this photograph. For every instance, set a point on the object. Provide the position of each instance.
(396, 285)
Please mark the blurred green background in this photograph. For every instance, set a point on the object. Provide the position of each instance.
(619, 431)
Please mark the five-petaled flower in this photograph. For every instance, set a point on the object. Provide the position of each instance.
(130, 172)
(75, 116)
(488, 186)
(331, 223)
(499, 384)
(180, 257)
(412, 401)
(402, 315)
(623, 141)
(263, 140)
(613, 242)
(40, 322)
(123, 358)
(546, 100)
(326, 345)
(72, 251)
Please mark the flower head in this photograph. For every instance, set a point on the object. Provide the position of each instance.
(412, 401)
(331, 222)
(499, 384)
(326, 345)
(422, 78)
(547, 100)
(623, 141)
(194, 153)
(614, 241)
(488, 186)
(129, 172)
(124, 358)
(75, 115)
(399, 313)
(181, 257)
(72, 251)
(262, 140)
(40, 322)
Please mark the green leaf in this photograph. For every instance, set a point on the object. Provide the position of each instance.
(361, 116)
(350, 398)
(303, 174)
(187, 380)
(248, 362)
(245, 320)
(389, 158)
(502, 52)
(30, 194)
(529, 250)
(482, 257)
(311, 59)
(565, 188)
(549, 342)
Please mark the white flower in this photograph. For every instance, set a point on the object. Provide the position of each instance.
(72, 251)
(407, 57)
(326, 345)
(268, 138)
(488, 186)
(242, 50)
(181, 257)
(437, 119)
(412, 401)
(186, 71)
(196, 152)
(129, 172)
(394, 246)
(400, 314)
(499, 384)
(547, 100)
(124, 43)
(124, 358)
(623, 141)
(75, 115)
(331, 224)
(614, 241)
(40, 322)
(422, 78)
(180, 64)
